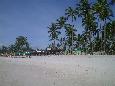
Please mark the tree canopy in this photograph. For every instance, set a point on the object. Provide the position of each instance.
(97, 21)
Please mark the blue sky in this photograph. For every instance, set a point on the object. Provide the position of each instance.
(30, 18)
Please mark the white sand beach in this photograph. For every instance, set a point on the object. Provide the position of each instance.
(58, 71)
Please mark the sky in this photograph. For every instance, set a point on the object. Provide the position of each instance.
(30, 18)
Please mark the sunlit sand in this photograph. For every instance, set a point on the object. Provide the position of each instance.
(58, 71)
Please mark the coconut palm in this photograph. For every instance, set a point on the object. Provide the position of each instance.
(78, 41)
(61, 22)
(81, 42)
(97, 41)
(54, 33)
(71, 13)
(110, 35)
(62, 43)
(97, 44)
(88, 20)
(83, 8)
(102, 9)
(103, 12)
(70, 36)
(86, 45)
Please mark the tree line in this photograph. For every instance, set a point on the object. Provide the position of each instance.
(21, 45)
(97, 19)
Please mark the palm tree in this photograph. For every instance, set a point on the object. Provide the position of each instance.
(103, 12)
(81, 42)
(70, 12)
(97, 41)
(110, 35)
(97, 44)
(84, 40)
(85, 11)
(70, 36)
(61, 22)
(102, 9)
(78, 41)
(54, 33)
(62, 43)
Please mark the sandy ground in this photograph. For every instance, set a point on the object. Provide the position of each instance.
(58, 71)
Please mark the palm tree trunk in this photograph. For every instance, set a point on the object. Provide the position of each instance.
(54, 44)
(90, 43)
(72, 43)
(104, 37)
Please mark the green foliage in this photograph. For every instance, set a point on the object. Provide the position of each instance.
(99, 28)
(21, 43)
(61, 22)
(70, 12)
(102, 9)
(54, 32)
(70, 34)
